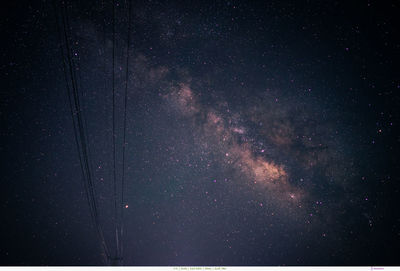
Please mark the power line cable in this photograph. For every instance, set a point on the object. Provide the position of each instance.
(79, 130)
(113, 134)
(124, 132)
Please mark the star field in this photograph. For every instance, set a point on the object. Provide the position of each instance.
(257, 133)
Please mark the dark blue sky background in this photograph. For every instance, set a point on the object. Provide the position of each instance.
(258, 133)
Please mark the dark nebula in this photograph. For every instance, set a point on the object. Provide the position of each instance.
(257, 132)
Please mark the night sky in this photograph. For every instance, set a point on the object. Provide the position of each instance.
(257, 132)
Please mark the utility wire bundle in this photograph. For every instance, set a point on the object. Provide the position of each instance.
(71, 73)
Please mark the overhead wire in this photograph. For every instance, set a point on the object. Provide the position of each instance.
(70, 104)
(117, 256)
(124, 131)
(71, 69)
(78, 123)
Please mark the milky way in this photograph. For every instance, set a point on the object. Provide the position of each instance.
(220, 135)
